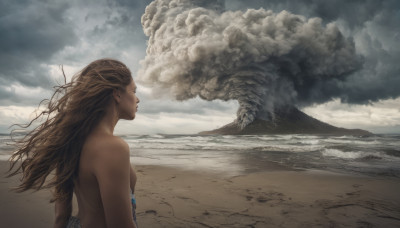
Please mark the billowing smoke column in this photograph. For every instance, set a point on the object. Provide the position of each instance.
(262, 59)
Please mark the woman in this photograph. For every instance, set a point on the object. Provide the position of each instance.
(75, 145)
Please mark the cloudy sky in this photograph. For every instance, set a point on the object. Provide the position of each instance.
(39, 36)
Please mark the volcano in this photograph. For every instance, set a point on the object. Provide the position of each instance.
(288, 120)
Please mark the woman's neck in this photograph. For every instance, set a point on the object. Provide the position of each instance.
(108, 122)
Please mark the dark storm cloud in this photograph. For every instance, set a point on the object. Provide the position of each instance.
(124, 14)
(31, 33)
(36, 34)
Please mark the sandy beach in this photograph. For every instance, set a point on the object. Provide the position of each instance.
(172, 197)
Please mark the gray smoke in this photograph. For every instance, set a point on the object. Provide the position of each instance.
(262, 59)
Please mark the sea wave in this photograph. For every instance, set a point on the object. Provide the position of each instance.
(351, 141)
(342, 154)
(360, 155)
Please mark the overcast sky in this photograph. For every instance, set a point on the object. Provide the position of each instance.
(36, 37)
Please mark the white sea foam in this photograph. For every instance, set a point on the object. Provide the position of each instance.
(351, 141)
(307, 136)
(349, 154)
(291, 148)
(285, 137)
(158, 136)
(310, 142)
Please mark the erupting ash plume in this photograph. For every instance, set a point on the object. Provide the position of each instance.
(262, 59)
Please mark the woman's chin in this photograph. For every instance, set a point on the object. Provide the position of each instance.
(130, 117)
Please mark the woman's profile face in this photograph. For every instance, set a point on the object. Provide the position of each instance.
(128, 102)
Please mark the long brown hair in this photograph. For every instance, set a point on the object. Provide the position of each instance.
(69, 116)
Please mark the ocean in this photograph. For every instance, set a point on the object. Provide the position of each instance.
(377, 155)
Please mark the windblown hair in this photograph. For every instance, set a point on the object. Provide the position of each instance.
(70, 115)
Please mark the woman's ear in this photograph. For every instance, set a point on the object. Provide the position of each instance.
(117, 95)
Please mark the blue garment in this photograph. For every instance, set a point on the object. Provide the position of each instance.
(73, 222)
(133, 202)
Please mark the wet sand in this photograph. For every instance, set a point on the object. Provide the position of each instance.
(172, 197)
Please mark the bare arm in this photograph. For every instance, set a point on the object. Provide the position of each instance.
(112, 171)
(63, 210)
(133, 179)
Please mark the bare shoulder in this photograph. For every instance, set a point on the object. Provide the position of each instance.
(107, 147)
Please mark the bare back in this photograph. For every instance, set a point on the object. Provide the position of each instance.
(92, 185)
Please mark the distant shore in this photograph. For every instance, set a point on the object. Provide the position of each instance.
(171, 197)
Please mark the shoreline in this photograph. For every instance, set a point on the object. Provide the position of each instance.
(175, 197)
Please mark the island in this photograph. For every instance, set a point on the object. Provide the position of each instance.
(288, 120)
